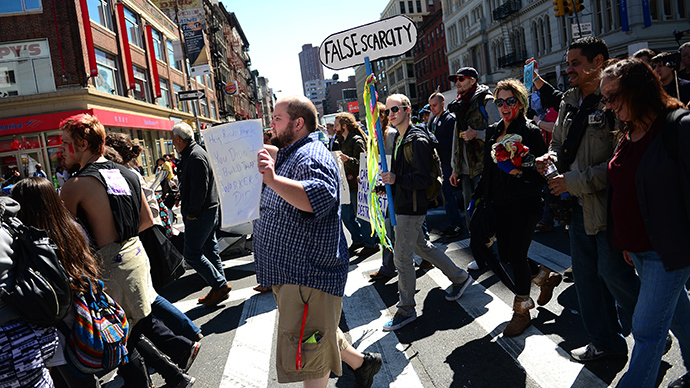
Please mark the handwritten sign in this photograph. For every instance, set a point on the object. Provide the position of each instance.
(384, 38)
(363, 188)
(232, 149)
(344, 188)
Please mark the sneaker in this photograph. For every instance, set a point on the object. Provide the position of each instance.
(185, 382)
(193, 352)
(364, 375)
(590, 353)
(398, 321)
(456, 290)
(473, 266)
(452, 232)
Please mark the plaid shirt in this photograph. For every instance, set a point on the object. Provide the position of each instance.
(295, 247)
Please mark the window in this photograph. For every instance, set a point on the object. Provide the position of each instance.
(27, 71)
(419, 6)
(410, 70)
(214, 115)
(204, 107)
(107, 79)
(13, 6)
(164, 100)
(158, 44)
(402, 7)
(141, 89)
(171, 57)
(99, 11)
(410, 6)
(413, 91)
(181, 105)
(209, 82)
(133, 28)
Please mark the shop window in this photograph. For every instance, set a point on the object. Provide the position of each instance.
(171, 57)
(26, 68)
(164, 100)
(107, 79)
(133, 27)
(19, 142)
(99, 11)
(17, 6)
(141, 85)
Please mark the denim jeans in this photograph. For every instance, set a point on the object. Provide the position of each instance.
(451, 202)
(173, 318)
(360, 230)
(201, 248)
(663, 303)
(602, 278)
(408, 239)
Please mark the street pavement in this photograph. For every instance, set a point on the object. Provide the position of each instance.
(451, 344)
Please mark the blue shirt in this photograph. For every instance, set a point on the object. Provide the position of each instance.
(296, 247)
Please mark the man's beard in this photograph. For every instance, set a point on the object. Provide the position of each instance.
(286, 137)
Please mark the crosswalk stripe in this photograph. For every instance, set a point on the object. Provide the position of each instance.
(249, 359)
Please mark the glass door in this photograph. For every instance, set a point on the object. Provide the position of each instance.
(29, 160)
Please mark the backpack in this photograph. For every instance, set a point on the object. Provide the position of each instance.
(433, 192)
(38, 287)
(98, 339)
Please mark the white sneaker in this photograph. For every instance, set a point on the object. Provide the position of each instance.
(473, 266)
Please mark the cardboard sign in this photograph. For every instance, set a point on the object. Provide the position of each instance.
(232, 149)
(384, 38)
(363, 189)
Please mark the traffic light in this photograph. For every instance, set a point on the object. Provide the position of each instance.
(567, 7)
(578, 6)
(558, 7)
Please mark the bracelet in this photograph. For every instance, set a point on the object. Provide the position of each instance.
(538, 122)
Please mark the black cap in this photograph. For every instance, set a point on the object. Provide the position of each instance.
(466, 71)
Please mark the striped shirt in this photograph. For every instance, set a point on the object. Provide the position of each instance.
(296, 247)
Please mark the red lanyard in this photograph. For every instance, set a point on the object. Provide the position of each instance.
(298, 361)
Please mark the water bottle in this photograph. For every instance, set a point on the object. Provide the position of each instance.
(552, 172)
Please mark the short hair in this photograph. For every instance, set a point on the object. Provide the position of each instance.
(591, 46)
(183, 130)
(85, 128)
(348, 120)
(684, 46)
(403, 99)
(669, 59)
(645, 52)
(639, 89)
(123, 145)
(302, 107)
(517, 88)
(437, 95)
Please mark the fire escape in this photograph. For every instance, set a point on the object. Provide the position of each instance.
(506, 14)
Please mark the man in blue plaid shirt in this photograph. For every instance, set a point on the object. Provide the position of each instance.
(301, 251)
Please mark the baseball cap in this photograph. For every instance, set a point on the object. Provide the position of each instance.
(464, 71)
(426, 109)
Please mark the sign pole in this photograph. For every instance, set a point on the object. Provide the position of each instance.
(382, 146)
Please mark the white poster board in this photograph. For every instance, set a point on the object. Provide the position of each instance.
(363, 188)
(344, 187)
(233, 149)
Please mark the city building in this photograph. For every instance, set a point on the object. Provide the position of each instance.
(339, 96)
(315, 90)
(266, 101)
(430, 62)
(496, 37)
(310, 65)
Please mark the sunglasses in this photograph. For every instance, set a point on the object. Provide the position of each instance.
(461, 78)
(394, 109)
(512, 101)
(609, 100)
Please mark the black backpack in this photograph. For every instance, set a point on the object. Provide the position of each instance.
(37, 286)
(433, 192)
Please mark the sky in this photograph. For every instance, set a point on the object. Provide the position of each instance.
(276, 31)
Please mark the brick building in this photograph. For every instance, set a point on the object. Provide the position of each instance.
(431, 64)
(114, 60)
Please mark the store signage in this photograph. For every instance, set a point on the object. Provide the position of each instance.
(353, 107)
(381, 39)
(24, 50)
(231, 88)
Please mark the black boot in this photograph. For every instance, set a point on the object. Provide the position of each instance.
(172, 375)
(134, 372)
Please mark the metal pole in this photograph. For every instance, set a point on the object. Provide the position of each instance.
(184, 70)
(382, 147)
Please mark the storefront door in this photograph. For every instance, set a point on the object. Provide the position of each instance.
(23, 161)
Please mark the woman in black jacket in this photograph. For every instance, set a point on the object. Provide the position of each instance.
(515, 193)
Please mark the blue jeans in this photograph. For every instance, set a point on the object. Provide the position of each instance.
(408, 239)
(201, 248)
(602, 278)
(451, 205)
(360, 230)
(173, 318)
(663, 304)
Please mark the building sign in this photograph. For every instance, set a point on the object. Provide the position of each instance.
(24, 50)
(231, 88)
(353, 107)
(381, 39)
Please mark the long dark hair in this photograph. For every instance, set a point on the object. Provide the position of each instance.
(640, 91)
(348, 120)
(42, 208)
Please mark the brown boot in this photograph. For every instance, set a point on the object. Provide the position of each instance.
(521, 319)
(547, 280)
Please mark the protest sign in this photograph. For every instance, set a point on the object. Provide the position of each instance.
(363, 188)
(381, 39)
(233, 150)
(528, 76)
(344, 188)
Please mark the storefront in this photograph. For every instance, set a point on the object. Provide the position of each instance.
(28, 141)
